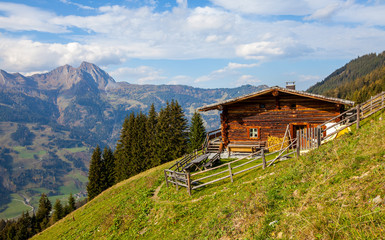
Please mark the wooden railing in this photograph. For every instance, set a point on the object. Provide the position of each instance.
(210, 136)
(178, 166)
(227, 170)
(313, 137)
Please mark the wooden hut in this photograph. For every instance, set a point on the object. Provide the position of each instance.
(249, 120)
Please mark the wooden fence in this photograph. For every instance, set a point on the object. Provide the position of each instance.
(306, 139)
(313, 137)
(193, 181)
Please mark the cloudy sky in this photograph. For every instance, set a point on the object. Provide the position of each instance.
(203, 43)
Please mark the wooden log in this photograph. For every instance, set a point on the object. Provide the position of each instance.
(188, 183)
(358, 116)
(263, 159)
(298, 144)
(176, 180)
(165, 175)
(231, 174)
(318, 136)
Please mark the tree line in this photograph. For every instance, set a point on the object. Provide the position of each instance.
(146, 141)
(28, 225)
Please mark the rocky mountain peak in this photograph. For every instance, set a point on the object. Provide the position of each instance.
(101, 78)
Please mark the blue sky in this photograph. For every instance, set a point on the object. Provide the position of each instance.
(202, 43)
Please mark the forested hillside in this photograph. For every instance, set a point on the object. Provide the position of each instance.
(356, 81)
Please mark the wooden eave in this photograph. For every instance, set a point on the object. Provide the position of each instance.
(219, 106)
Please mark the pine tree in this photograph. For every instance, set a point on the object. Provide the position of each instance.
(139, 144)
(197, 132)
(71, 206)
(151, 133)
(179, 130)
(58, 211)
(164, 135)
(42, 214)
(94, 176)
(71, 203)
(109, 168)
(123, 153)
(171, 133)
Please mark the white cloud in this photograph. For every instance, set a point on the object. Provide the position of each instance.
(77, 4)
(263, 7)
(231, 71)
(247, 79)
(27, 55)
(20, 17)
(139, 75)
(114, 34)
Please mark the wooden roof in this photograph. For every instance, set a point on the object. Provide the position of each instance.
(269, 90)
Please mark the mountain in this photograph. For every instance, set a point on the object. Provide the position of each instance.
(333, 192)
(50, 122)
(357, 80)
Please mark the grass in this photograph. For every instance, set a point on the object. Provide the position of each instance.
(75, 150)
(14, 207)
(28, 154)
(326, 194)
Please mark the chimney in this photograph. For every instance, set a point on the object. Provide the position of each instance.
(290, 85)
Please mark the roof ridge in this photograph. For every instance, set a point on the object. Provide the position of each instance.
(297, 92)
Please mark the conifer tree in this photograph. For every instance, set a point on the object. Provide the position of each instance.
(71, 203)
(171, 133)
(151, 133)
(139, 143)
(179, 130)
(164, 135)
(123, 151)
(109, 168)
(42, 214)
(71, 206)
(94, 176)
(197, 133)
(58, 211)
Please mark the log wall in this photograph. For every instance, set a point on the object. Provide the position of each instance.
(278, 111)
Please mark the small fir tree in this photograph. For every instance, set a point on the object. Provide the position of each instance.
(151, 133)
(197, 132)
(43, 212)
(58, 211)
(94, 176)
(109, 168)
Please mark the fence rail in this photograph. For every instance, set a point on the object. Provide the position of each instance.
(313, 137)
(193, 181)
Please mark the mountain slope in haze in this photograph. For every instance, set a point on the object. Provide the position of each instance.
(50, 122)
(333, 192)
(350, 80)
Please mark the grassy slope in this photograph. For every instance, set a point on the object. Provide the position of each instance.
(327, 194)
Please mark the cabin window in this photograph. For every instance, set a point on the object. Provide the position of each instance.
(262, 105)
(254, 132)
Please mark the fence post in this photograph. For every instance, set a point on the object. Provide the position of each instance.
(371, 104)
(263, 158)
(176, 181)
(358, 116)
(298, 144)
(188, 182)
(231, 174)
(318, 136)
(382, 100)
(165, 175)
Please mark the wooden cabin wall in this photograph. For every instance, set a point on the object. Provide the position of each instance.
(277, 114)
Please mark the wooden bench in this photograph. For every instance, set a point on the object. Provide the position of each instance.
(245, 147)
